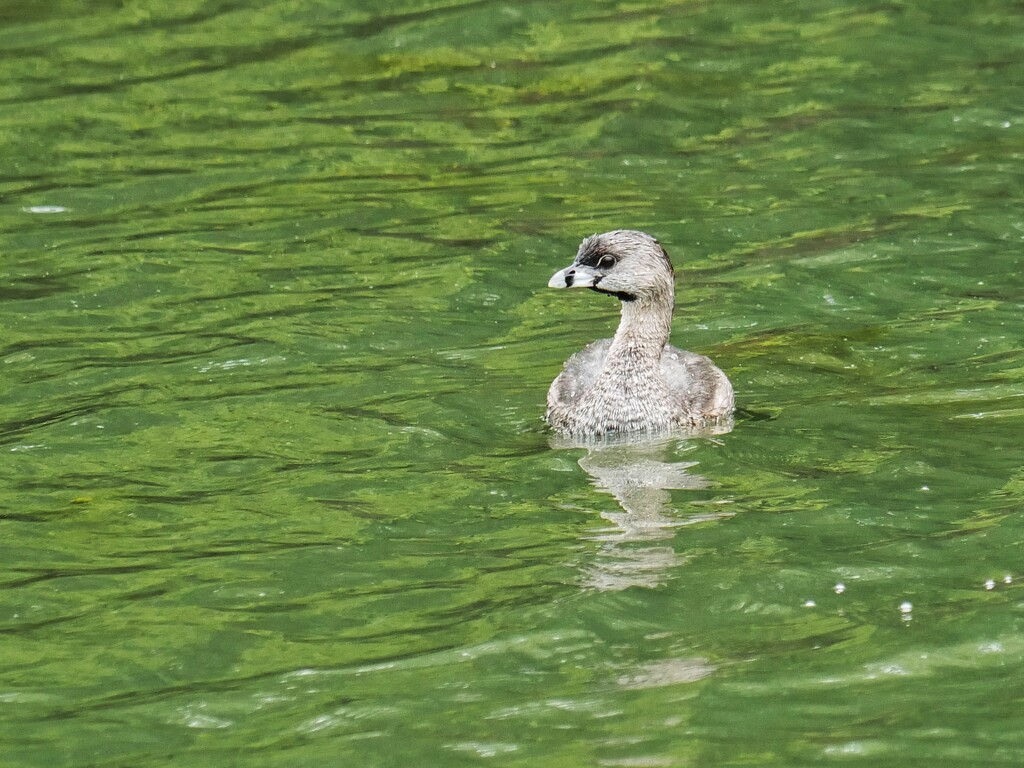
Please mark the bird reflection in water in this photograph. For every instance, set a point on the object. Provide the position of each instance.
(640, 472)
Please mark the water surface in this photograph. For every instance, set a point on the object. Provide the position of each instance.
(276, 489)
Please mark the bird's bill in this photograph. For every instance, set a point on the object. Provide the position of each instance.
(574, 276)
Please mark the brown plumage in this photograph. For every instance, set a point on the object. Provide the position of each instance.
(635, 381)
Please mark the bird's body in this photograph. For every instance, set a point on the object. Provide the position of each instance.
(635, 381)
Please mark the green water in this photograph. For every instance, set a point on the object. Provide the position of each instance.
(275, 346)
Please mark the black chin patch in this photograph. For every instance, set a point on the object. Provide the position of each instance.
(620, 295)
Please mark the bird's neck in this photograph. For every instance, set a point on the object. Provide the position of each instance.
(642, 335)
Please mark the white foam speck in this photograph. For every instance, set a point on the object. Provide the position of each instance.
(44, 209)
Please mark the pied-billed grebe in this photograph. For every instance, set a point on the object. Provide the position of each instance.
(636, 381)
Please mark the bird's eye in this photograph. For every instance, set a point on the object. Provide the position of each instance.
(606, 262)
